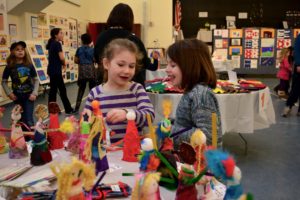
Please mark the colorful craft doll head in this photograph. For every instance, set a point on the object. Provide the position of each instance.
(53, 108)
(146, 187)
(198, 138)
(41, 112)
(71, 178)
(16, 113)
(147, 144)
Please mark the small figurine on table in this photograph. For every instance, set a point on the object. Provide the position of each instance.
(56, 137)
(148, 159)
(94, 150)
(146, 187)
(84, 133)
(131, 139)
(74, 141)
(17, 145)
(73, 178)
(40, 154)
(3, 143)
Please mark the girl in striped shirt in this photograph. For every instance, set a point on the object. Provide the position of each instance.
(118, 93)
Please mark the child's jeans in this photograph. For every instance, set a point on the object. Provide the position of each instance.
(27, 106)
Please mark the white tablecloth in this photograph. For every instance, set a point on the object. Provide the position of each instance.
(240, 113)
(114, 159)
(160, 73)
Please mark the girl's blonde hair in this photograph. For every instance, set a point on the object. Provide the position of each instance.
(118, 45)
(284, 53)
(12, 60)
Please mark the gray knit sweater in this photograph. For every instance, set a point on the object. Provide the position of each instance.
(194, 111)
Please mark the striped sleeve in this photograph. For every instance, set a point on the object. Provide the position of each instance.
(92, 95)
(144, 106)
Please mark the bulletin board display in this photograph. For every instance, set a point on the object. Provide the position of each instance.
(252, 50)
(39, 60)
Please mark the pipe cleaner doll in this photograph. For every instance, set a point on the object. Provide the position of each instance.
(40, 153)
(222, 165)
(56, 138)
(73, 178)
(94, 150)
(187, 178)
(17, 145)
(84, 134)
(3, 143)
(148, 159)
(146, 187)
(74, 141)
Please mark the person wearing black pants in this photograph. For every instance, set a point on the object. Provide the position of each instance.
(54, 70)
(295, 91)
(57, 82)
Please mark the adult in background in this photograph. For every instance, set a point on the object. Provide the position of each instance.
(56, 63)
(295, 91)
(84, 57)
(120, 24)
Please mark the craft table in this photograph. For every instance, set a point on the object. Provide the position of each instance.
(240, 113)
(117, 167)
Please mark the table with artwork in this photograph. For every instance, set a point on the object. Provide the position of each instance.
(113, 175)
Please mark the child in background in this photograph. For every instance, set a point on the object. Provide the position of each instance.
(118, 93)
(190, 68)
(284, 72)
(24, 81)
(84, 57)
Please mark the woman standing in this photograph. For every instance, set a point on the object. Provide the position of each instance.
(56, 62)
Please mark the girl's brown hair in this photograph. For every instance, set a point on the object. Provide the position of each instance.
(11, 60)
(118, 45)
(193, 58)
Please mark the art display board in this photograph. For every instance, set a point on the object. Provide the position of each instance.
(39, 60)
(252, 50)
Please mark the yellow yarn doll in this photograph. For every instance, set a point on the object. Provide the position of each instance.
(72, 178)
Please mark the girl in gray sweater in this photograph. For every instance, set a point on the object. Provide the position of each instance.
(190, 68)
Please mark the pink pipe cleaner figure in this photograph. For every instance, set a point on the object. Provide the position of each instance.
(74, 141)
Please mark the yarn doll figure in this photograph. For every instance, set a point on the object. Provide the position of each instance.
(94, 150)
(56, 138)
(3, 143)
(17, 145)
(73, 178)
(146, 187)
(131, 139)
(187, 177)
(40, 153)
(148, 159)
(74, 141)
(84, 134)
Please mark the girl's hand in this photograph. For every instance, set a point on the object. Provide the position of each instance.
(12, 96)
(116, 115)
(32, 97)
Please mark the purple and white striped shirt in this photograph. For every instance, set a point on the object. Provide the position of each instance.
(134, 98)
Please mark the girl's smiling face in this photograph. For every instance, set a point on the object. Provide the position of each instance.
(174, 73)
(120, 69)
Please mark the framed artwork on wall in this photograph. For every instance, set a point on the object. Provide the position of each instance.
(12, 29)
(34, 21)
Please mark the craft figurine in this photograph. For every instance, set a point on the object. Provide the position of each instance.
(3, 143)
(17, 145)
(131, 139)
(40, 153)
(187, 178)
(146, 187)
(84, 134)
(148, 159)
(222, 165)
(94, 150)
(198, 142)
(56, 138)
(74, 141)
(73, 178)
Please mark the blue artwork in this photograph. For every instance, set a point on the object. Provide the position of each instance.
(39, 49)
(41, 74)
(267, 62)
(37, 62)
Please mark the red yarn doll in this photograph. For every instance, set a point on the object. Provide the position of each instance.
(55, 138)
(131, 139)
